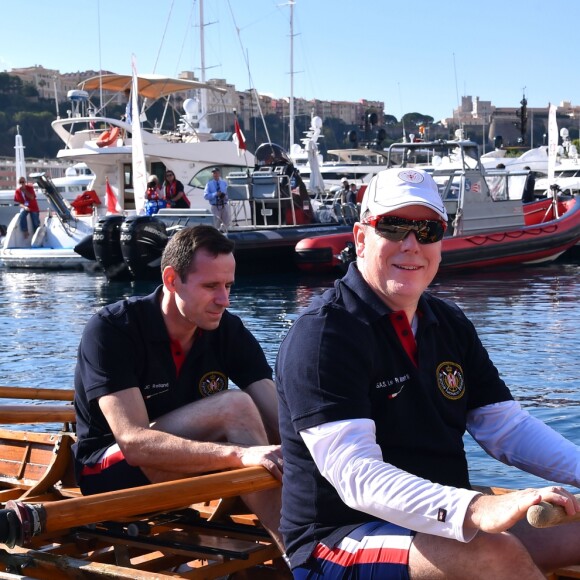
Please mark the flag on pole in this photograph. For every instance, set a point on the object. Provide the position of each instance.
(112, 203)
(238, 137)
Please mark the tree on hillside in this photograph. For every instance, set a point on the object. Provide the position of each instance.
(9, 84)
(415, 119)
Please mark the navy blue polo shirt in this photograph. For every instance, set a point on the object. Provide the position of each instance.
(126, 345)
(342, 359)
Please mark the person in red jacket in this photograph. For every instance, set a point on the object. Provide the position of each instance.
(25, 197)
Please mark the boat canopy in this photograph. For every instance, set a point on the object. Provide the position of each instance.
(151, 86)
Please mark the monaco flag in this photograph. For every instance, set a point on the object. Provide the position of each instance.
(238, 137)
(112, 203)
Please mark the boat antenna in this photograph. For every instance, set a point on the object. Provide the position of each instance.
(402, 115)
(291, 111)
(246, 59)
(100, 63)
(457, 93)
(163, 36)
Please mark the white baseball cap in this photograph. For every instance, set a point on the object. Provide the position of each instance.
(398, 187)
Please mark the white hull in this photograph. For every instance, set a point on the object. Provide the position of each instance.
(45, 259)
(51, 246)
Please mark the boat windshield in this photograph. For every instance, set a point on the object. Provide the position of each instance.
(201, 178)
(271, 154)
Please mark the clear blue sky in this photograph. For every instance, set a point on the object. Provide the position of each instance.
(416, 56)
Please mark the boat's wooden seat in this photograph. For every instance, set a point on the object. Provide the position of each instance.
(31, 464)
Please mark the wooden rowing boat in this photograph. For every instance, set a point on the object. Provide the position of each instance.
(190, 528)
(170, 530)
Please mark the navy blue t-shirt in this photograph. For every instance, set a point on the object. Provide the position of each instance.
(342, 359)
(126, 345)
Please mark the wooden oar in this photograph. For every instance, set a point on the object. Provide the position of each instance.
(41, 394)
(167, 496)
(23, 414)
(545, 515)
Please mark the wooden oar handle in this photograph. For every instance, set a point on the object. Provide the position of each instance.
(40, 393)
(23, 414)
(545, 515)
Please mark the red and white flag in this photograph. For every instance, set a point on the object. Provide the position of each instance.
(238, 137)
(112, 203)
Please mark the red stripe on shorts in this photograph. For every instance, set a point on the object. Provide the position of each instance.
(362, 555)
(102, 465)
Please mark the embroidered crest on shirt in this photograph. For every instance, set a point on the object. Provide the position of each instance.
(212, 383)
(450, 380)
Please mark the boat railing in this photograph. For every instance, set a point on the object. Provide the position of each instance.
(75, 132)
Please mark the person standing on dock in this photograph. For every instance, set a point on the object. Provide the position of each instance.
(216, 192)
(152, 394)
(25, 197)
(378, 382)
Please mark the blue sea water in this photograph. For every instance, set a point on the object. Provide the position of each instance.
(528, 319)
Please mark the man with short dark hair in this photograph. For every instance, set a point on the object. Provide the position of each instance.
(378, 381)
(152, 393)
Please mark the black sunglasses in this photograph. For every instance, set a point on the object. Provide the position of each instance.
(396, 229)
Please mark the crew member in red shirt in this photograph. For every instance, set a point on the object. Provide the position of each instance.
(25, 197)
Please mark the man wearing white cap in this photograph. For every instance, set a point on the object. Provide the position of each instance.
(378, 381)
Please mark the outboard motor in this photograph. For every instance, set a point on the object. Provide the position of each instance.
(107, 247)
(143, 239)
(85, 248)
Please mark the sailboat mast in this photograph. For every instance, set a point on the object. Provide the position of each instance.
(291, 113)
(203, 92)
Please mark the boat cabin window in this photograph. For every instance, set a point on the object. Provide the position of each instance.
(338, 175)
(128, 192)
(568, 173)
(201, 178)
(72, 189)
(158, 169)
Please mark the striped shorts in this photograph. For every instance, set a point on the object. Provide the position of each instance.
(112, 472)
(375, 550)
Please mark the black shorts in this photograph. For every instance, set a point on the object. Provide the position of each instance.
(110, 476)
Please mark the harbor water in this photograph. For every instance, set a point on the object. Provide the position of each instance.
(527, 318)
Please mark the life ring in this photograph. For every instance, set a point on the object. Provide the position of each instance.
(108, 137)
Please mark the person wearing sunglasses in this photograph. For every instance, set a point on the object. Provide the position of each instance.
(174, 192)
(378, 381)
